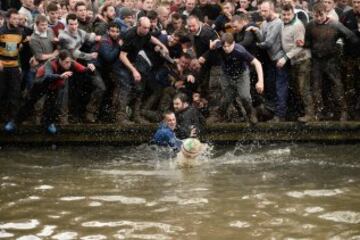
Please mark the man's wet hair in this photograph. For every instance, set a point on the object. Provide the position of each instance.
(79, 4)
(241, 18)
(10, 12)
(52, 7)
(167, 113)
(113, 25)
(287, 7)
(176, 16)
(63, 54)
(319, 7)
(152, 15)
(40, 18)
(182, 96)
(71, 16)
(105, 8)
(227, 38)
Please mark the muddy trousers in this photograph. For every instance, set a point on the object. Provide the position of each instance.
(51, 107)
(351, 81)
(236, 87)
(10, 91)
(300, 83)
(329, 68)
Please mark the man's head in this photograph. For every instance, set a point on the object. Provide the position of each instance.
(154, 18)
(267, 10)
(228, 42)
(114, 31)
(28, 3)
(65, 60)
(169, 119)
(193, 24)
(2, 18)
(356, 6)
(320, 14)
(53, 12)
(127, 15)
(41, 23)
(108, 12)
(147, 5)
(180, 102)
(177, 21)
(228, 8)
(163, 14)
(80, 10)
(244, 4)
(72, 23)
(71, 5)
(238, 22)
(287, 13)
(190, 5)
(184, 61)
(12, 18)
(203, 2)
(329, 5)
(143, 26)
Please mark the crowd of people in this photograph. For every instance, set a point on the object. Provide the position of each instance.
(136, 61)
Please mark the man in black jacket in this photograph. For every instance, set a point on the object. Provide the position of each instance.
(190, 122)
(351, 20)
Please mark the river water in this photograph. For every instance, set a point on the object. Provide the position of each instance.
(275, 191)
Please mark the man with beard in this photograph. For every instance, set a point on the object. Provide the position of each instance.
(102, 22)
(190, 122)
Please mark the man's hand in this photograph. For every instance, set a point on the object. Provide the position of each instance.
(281, 62)
(193, 132)
(300, 43)
(137, 76)
(201, 60)
(94, 55)
(252, 29)
(1, 66)
(212, 44)
(98, 38)
(259, 87)
(91, 67)
(179, 84)
(66, 75)
(190, 79)
(55, 53)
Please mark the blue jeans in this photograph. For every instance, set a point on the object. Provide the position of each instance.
(277, 87)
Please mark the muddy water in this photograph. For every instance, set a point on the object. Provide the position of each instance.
(239, 192)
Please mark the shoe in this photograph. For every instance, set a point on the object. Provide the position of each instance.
(10, 127)
(306, 118)
(140, 120)
(52, 129)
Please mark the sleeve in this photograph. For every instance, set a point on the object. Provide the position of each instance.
(36, 49)
(299, 35)
(308, 39)
(249, 39)
(243, 54)
(78, 67)
(346, 33)
(271, 36)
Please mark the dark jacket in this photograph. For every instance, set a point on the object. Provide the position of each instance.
(186, 119)
(108, 50)
(350, 21)
(201, 43)
(247, 39)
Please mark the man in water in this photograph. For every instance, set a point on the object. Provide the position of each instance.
(165, 135)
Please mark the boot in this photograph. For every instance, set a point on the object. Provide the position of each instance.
(215, 117)
(137, 116)
(152, 116)
(306, 118)
(90, 117)
(122, 119)
(344, 116)
(253, 118)
(276, 119)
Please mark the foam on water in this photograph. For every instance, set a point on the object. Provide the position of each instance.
(121, 199)
(4, 234)
(44, 187)
(314, 209)
(30, 224)
(342, 217)
(315, 193)
(193, 201)
(94, 237)
(72, 198)
(148, 236)
(29, 237)
(65, 236)
(95, 204)
(239, 224)
(47, 231)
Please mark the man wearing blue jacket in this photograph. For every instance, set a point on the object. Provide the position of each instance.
(165, 135)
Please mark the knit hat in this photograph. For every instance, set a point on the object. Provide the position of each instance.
(126, 12)
(192, 148)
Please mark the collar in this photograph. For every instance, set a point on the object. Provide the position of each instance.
(198, 32)
(42, 35)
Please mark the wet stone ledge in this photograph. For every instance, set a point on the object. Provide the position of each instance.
(111, 134)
